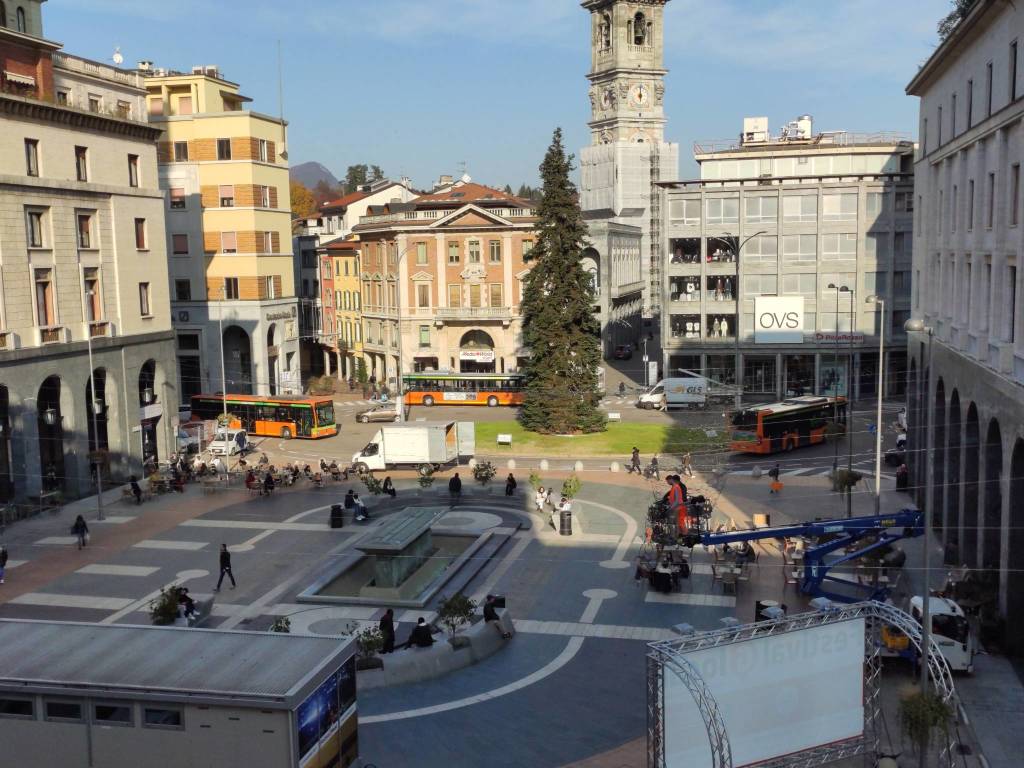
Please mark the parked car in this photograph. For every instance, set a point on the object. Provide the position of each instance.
(623, 352)
(382, 412)
(231, 442)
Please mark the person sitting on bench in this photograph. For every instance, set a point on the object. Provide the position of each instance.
(420, 636)
(491, 616)
(187, 604)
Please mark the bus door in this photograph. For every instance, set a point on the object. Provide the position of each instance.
(303, 421)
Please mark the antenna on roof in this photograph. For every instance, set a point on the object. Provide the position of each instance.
(117, 58)
(464, 177)
(280, 104)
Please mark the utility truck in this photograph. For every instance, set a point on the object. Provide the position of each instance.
(688, 391)
(423, 445)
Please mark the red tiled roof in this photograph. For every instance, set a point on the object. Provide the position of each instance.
(347, 200)
(342, 245)
(470, 193)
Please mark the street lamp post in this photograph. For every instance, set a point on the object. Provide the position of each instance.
(223, 375)
(835, 362)
(738, 374)
(880, 302)
(93, 409)
(849, 409)
(918, 326)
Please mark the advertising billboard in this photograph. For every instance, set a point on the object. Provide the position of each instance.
(778, 695)
(321, 720)
(778, 319)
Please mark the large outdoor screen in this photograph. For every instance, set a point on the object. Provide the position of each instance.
(320, 732)
(778, 695)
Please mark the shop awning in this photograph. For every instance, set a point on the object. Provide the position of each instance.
(14, 77)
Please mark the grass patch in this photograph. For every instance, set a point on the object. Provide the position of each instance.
(617, 441)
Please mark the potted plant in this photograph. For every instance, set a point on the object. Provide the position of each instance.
(426, 476)
(373, 485)
(163, 609)
(484, 472)
(453, 612)
(571, 487)
(920, 714)
(536, 481)
(281, 624)
(369, 642)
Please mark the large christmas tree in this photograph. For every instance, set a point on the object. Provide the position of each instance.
(559, 326)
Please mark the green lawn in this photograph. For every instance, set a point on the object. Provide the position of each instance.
(617, 441)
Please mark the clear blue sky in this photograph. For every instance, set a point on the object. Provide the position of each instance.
(417, 86)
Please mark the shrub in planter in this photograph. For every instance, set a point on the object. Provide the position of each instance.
(281, 624)
(921, 714)
(163, 609)
(484, 472)
(426, 478)
(455, 611)
(373, 485)
(369, 641)
(536, 481)
(459, 641)
(571, 487)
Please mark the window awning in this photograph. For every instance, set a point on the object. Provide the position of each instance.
(14, 77)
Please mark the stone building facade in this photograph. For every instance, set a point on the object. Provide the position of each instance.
(967, 290)
(82, 265)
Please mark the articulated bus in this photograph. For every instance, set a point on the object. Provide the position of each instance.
(491, 389)
(793, 423)
(273, 416)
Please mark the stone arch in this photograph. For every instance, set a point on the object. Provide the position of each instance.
(3, 15)
(50, 418)
(476, 352)
(914, 441)
(590, 260)
(953, 465)
(938, 456)
(20, 18)
(273, 349)
(237, 360)
(992, 498)
(1015, 552)
(972, 474)
(97, 428)
(639, 30)
(604, 32)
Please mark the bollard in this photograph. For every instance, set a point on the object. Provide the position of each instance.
(615, 466)
(511, 463)
(544, 465)
(578, 466)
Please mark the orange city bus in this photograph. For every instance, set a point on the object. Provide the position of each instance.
(274, 416)
(490, 389)
(793, 423)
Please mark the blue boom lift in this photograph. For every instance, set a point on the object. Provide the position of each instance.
(849, 535)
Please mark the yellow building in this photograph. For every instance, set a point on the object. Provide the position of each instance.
(228, 235)
(342, 330)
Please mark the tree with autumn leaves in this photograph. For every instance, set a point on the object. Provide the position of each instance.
(559, 326)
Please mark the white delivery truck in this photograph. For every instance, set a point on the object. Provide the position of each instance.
(424, 445)
(682, 392)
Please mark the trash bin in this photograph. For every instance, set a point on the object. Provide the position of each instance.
(565, 522)
(337, 519)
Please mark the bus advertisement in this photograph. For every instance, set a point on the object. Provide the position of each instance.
(271, 416)
(490, 389)
(793, 423)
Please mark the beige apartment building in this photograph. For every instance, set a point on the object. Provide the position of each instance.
(82, 264)
(225, 172)
(445, 272)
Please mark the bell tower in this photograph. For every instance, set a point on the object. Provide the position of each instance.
(628, 153)
(627, 71)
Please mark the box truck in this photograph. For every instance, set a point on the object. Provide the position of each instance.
(683, 392)
(423, 445)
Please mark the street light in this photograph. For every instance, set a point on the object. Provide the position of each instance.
(738, 374)
(835, 402)
(94, 407)
(223, 375)
(918, 326)
(880, 302)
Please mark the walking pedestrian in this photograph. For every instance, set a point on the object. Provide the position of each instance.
(538, 500)
(455, 487)
(81, 530)
(687, 464)
(3, 562)
(634, 461)
(775, 485)
(389, 487)
(387, 630)
(510, 484)
(225, 568)
(136, 489)
(653, 470)
(547, 498)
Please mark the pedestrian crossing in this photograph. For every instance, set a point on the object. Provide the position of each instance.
(865, 468)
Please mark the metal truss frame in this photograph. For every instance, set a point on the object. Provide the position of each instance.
(670, 655)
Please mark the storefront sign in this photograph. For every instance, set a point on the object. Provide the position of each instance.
(477, 355)
(284, 315)
(830, 337)
(779, 320)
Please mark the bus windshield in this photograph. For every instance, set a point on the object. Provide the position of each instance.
(324, 414)
(745, 420)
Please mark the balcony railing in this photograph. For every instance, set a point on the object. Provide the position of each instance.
(100, 328)
(433, 214)
(473, 313)
(96, 69)
(54, 334)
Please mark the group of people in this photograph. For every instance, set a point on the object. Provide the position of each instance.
(265, 487)
(653, 471)
(422, 635)
(355, 505)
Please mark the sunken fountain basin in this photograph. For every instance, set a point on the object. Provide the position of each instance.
(404, 564)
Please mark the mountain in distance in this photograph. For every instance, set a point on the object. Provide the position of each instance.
(311, 174)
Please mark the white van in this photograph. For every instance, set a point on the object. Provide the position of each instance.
(235, 441)
(951, 630)
(684, 392)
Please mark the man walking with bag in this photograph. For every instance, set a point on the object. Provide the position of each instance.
(225, 568)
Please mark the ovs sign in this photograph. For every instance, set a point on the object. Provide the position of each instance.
(778, 319)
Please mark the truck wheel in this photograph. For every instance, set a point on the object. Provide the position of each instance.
(492, 401)
(286, 433)
(398, 419)
(428, 400)
(361, 468)
(425, 469)
(364, 419)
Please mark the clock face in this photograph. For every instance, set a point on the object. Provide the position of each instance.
(639, 95)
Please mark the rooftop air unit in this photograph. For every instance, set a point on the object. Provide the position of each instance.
(755, 130)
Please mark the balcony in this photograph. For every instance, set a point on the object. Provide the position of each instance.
(53, 334)
(101, 328)
(8, 341)
(96, 69)
(473, 313)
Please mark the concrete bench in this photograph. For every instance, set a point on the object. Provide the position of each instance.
(410, 665)
(204, 609)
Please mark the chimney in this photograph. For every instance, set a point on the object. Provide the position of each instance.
(145, 66)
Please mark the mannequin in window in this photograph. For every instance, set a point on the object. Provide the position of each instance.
(719, 289)
(716, 328)
(725, 327)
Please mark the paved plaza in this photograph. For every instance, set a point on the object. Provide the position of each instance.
(569, 688)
